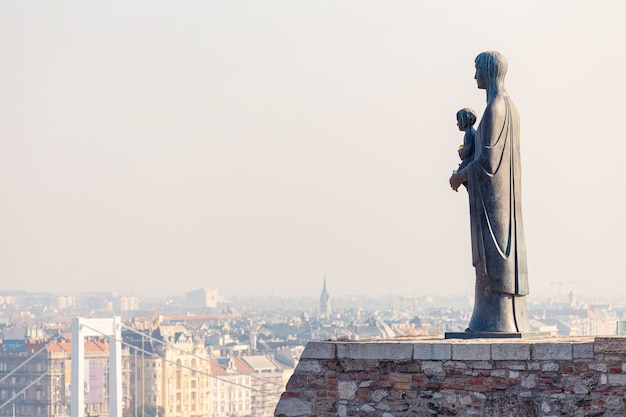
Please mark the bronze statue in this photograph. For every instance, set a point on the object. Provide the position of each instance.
(494, 185)
(465, 119)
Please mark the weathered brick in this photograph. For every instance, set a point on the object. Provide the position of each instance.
(549, 382)
(399, 378)
(452, 386)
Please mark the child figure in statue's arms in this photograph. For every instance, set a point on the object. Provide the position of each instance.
(465, 120)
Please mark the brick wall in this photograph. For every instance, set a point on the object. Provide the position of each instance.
(480, 377)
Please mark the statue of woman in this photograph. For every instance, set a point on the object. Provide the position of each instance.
(494, 186)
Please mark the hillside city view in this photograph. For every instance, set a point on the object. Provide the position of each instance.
(202, 354)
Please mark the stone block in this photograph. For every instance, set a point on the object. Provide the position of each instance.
(292, 407)
(354, 364)
(532, 366)
(379, 394)
(550, 367)
(346, 389)
(455, 365)
(551, 351)
(483, 365)
(598, 366)
(582, 350)
(382, 407)
(432, 351)
(471, 352)
(510, 351)
(308, 366)
(530, 381)
(612, 345)
(499, 373)
(516, 366)
(432, 367)
(325, 406)
(379, 351)
(617, 379)
(319, 350)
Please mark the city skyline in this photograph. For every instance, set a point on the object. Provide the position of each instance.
(254, 147)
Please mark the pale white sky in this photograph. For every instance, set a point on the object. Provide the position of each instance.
(252, 146)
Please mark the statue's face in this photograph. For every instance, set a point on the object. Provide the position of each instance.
(480, 78)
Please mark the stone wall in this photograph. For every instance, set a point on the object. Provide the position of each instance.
(480, 377)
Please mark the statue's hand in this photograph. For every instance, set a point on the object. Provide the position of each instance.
(455, 181)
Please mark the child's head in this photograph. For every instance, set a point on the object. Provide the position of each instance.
(465, 118)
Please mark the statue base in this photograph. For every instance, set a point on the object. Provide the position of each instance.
(574, 376)
(495, 335)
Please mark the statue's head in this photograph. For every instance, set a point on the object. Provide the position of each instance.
(465, 118)
(491, 69)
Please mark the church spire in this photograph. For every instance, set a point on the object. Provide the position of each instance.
(325, 306)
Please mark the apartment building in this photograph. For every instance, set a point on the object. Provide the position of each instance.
(230, 388)
(268, 381)
(41, 387)
(174, 373)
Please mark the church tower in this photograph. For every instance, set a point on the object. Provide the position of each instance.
(325, 307)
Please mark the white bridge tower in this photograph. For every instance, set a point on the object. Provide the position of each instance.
(81, 328)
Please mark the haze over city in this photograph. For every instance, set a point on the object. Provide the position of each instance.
(255, 146)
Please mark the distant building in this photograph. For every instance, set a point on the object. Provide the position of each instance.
(269, 379)
(175, 377)
(24, 334)
(289, 355)
(202, 298)
(594, 320)
(325, 310)
(128, 303)
(65, 302)
(179, 377)
(45, 379)
(6, 300)
(225, 345)
(230, 383)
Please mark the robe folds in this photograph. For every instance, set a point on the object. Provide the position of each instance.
(494, 186)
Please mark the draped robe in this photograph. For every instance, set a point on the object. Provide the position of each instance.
(497, 232)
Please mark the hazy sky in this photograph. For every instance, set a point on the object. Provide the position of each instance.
(252, 146)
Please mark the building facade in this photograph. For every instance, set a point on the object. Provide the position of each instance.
(35, 380)
(175, 376)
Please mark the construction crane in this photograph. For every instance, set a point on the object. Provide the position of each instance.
(561, 283)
